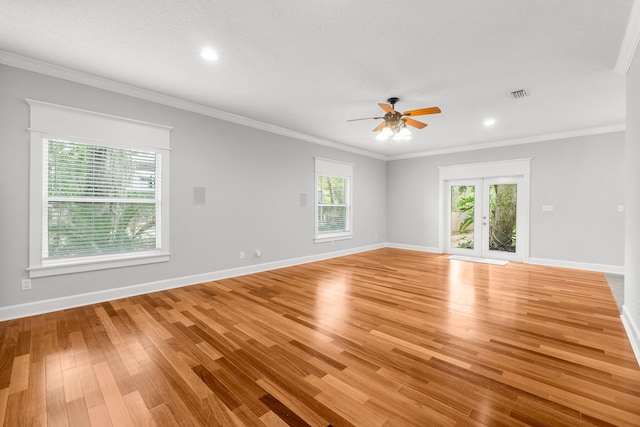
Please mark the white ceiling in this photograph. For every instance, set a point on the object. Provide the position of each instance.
(309, 65)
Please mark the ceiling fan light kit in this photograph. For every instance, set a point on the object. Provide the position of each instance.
(394, 126)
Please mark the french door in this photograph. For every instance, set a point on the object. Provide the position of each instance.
(483, 217)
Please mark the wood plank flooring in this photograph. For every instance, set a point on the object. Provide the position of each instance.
(383, 338)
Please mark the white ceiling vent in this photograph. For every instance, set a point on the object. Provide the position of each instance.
(519, 94)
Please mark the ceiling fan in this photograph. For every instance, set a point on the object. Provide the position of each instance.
(395, 123)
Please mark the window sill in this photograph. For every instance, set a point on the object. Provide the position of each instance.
(333, 237)
(91, 264)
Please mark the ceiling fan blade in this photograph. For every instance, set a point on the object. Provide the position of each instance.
(379, 127)
(387, 108)
(414, 123)
(366, 118)
(422, 111)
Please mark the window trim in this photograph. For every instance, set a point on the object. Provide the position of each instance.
(51, 121)
(334, 168)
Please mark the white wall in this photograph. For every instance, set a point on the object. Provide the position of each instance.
(253, 182)
(581, 177)
(631, 309)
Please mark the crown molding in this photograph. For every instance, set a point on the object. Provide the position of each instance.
(630, 40)
(518, 141)
(64, 73)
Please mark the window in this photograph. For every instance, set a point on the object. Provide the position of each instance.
(97, 200)
(333, 200)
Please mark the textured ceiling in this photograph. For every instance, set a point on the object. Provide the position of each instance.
(309, 66)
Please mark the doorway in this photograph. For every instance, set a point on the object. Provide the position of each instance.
(485, 210)
(483, 218)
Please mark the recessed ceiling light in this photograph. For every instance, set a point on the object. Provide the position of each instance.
(208, 54)
(489, 122)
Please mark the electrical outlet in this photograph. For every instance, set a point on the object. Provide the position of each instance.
(257, 253)
(242, 255)
(26, 284)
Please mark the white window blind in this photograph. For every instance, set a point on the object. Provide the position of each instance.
(99, 191)
(333, 200)
(99, 200)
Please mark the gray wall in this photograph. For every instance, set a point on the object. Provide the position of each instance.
(632, 180)
(253, 181)
(581, 177)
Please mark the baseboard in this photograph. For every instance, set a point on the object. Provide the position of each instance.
(633, 332)
(62, 303)
(414, 248)
(604, 268)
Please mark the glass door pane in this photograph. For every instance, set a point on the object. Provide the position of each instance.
(462, 216)
(503, 208)
(486, 217)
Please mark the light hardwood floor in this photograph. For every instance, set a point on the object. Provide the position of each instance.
(383, 338)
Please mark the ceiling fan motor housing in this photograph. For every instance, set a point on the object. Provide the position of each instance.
(393, 120)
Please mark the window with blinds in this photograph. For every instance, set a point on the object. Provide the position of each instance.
(99, 200)
(333, 200)
(332, 206)
(98, 191)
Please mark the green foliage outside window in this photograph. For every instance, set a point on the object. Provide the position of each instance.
(332, 208)
(502, 215)
(100, 199)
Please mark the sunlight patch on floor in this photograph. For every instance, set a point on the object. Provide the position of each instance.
(481, 260)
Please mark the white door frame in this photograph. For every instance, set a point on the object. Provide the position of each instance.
(511, 168)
